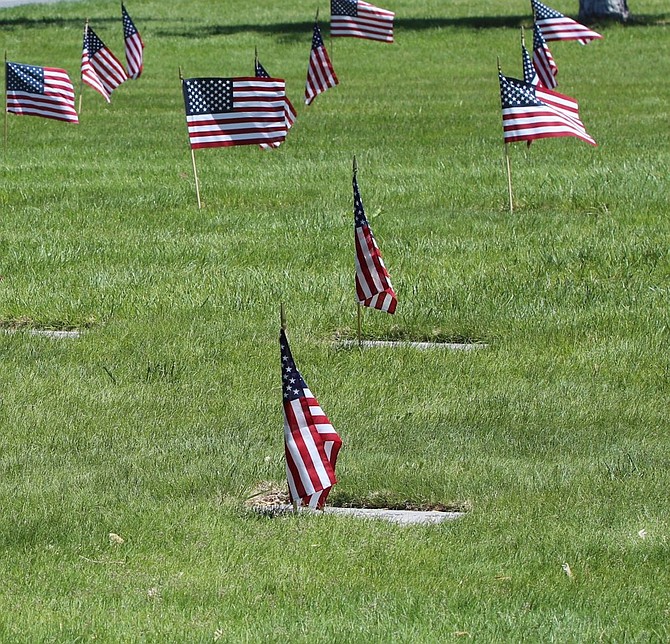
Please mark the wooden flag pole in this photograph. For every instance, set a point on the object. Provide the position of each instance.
(81, 85)
(6, 113)
(195, 167)
(360, 324)
(197, 183)
(359, 308)
(282, 322)
(509, 179)
(507, 161)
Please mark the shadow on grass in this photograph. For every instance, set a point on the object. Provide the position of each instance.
(297, 30)
(14, 24)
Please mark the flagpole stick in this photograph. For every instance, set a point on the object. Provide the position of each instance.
(509, 179)
(507, 161)
(359, 313)
(6, 113)
(360, 324)
(282, 323)
(195, 167)
(81, 84)
(197, 183)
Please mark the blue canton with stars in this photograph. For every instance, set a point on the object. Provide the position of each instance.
(208, 95)
(260, 71)
(128, 26)
(292, 382)
(25, 78)
(344, 8)
(92, 43)
(528, 69)
(538, 39)
(359, 214)
(542, 12)
(516, 93)
(317, 41)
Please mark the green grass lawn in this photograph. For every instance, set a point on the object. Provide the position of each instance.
(163, 417)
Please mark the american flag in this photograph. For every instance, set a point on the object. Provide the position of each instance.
(320, 72)
(360, 19)
(311, 443)
(234, 111)
(100, 68)
(290, 114)
(134, 46)
(543, 60)
(526, 117)
(565, 104)
(40, 91)
(556, 26)
(373, 284)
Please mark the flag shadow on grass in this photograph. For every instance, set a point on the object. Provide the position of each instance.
(14, 24)
(291, 31)
(297, 30)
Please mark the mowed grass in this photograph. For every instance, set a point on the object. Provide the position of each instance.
(164, 416)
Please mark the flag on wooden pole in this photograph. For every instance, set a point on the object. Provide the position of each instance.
(556, 26)
(234, 111)
(40, 91)
(290, 114)
(526, 117)
(373, 284)
(311, 443)
(543, 61)
(360, 19)
(567, 105)
(100, 68)
(320, 72)
(133, 45)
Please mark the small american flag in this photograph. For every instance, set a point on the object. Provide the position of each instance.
(290, 114)
(360, 19)
(526, 117)
(134, 46)
(40, 91)
(373, 284)
(556, 26)
(543, 60)
(561, 102)
(311, 443)
(221, 112)
(100, 68)
(320, 72)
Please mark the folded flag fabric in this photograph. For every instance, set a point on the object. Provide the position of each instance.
(543, 61)
(134, 46)
(526, 117)
(40, 91)
(100, 68)
(556, 26)
(290, 114)
(373, 284)
(360, 19)
(221, 112)
(311, 443)
(320, 72)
